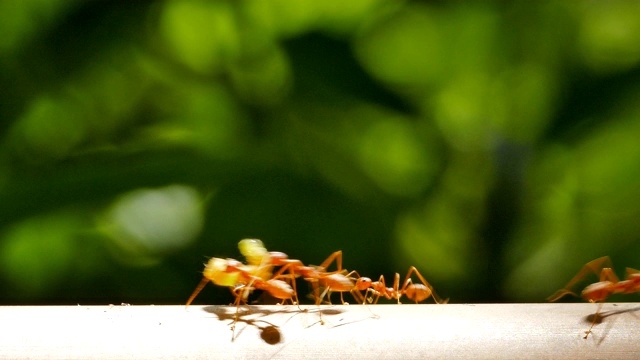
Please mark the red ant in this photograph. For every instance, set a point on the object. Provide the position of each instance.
(608, 285)
(415, 292)
(256, 254)
(232, 273)
(257, 274)
(242, 279)
(337, 281)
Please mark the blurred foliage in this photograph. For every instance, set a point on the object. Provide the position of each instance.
(491, 144)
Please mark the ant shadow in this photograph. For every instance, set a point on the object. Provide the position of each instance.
(269, 332)
(598, 318)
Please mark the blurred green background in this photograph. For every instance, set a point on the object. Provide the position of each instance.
(494, 144)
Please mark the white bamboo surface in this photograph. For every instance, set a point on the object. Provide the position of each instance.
(452, 331)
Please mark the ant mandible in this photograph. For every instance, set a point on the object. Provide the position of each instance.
(608, 285)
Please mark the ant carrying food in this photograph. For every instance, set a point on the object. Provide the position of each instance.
(608, 285)
(257, 274)
(237, 276)
(244, 278)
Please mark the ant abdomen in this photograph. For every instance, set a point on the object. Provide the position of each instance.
(417, 292)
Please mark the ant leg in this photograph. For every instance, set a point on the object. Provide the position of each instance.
(396, 288)
(366, 297)
(199, 288)
(594, 266)
(382, 290)
(292, 279)
(319, 300)
(357, 295)
(337, 256)
(607, 274)
(239, 293)
(593, 323)
(355, 292)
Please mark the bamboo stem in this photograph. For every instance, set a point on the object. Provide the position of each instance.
(453, 331)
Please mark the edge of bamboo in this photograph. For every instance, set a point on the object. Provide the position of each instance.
(452, 331)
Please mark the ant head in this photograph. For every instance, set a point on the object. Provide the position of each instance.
(363, 283)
